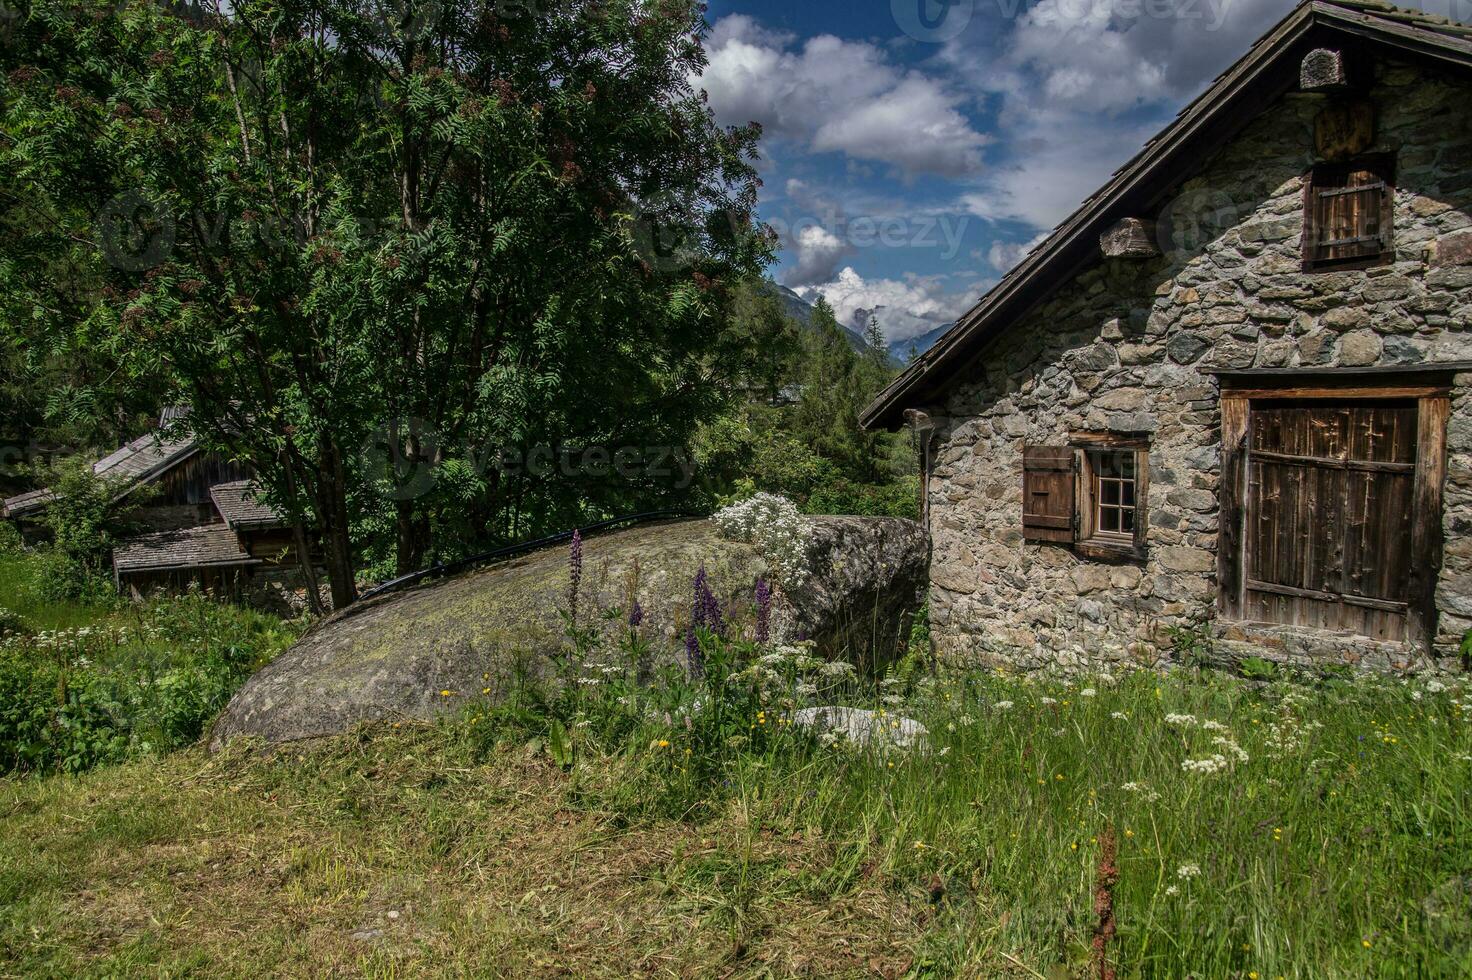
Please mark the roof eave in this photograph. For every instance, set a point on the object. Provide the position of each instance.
(181, 566)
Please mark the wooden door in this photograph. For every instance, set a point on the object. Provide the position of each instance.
(1327, 536)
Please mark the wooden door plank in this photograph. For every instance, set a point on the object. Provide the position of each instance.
(1426, 533)
(1231, 556)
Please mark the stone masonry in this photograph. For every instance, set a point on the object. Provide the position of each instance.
(1125, 346)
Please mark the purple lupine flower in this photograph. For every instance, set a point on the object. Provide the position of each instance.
(575, 573)
(706, 609)
(636, 615)
(694, 658)
(714, 621)
(697, 608)
(763, 611)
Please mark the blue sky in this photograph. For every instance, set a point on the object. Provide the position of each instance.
(914, 149)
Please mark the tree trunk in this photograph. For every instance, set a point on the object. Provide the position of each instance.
(309, 573)
(332, 508)
(412, 529)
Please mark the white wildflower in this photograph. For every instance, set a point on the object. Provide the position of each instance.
(1231, 747)
(774, 525)
(1188, 871)
(1213, 726)
(1214, 764)
(1181, 721)
(1119, 716)
(1048, 701)
(1172, 890)
(1088, 692)
(1003, 705)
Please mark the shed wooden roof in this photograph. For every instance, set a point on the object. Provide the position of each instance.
(241, 506)
(1268, 70)
(212, 546)
(140, 461)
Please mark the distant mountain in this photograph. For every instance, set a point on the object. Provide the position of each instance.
(904, 350)
(802, 311)
(900, 351)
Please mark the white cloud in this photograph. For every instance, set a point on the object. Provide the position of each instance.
(817, 253)
(835, 95)
(1083, 85)
(1004, 256)
(906, 308)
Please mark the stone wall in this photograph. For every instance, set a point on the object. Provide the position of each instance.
(1126, 347)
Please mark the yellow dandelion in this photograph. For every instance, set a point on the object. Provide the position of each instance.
(919, 845)
(1128, 832)
(447, 694)
(1365, 943)
(664, 743)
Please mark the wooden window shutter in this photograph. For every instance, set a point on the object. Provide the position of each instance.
(1349, 214)
(1048, 488)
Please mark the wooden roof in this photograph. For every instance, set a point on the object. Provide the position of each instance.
(140, 461)
(212, 546)
(241, 506)
(1142, 186)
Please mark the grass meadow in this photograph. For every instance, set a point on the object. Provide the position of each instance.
(1263, 830)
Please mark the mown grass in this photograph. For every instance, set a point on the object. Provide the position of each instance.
(1338, 847)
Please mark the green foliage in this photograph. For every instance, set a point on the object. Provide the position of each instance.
(85, 519)
(125, 681)
(814, 451)
(1256, 668)
(898, 498)
(1191, 644)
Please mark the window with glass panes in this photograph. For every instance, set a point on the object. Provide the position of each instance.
(1113, 493)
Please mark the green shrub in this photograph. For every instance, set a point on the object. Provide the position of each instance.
(900, 498)
(1258, 669)
(147, 679)
(85, 520)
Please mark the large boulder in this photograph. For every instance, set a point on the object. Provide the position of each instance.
(428, 651)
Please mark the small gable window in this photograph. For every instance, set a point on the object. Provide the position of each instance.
(1089, 494)
(1348, 219)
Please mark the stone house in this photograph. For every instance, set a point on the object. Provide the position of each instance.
(1232, 393)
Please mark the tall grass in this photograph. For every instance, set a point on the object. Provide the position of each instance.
(1294, 830)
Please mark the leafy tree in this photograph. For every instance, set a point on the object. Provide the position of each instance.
(453, 232)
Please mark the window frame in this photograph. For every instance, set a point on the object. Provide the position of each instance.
(1089, 540)
(1324, 174)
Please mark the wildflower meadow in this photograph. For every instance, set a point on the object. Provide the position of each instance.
(680, 814)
